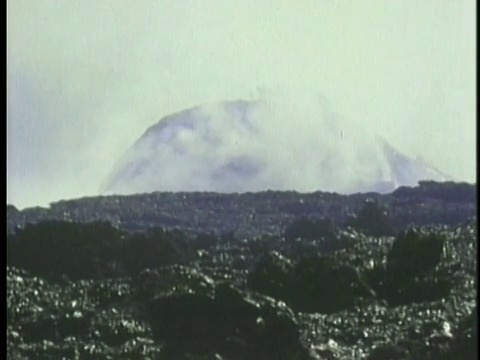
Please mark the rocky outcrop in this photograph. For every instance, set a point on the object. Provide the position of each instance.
(305, 228)
(230, 322)
(314, 284)
(139, 317)
(321, 285)
(272, 275)
(372, 219)
(409, 274)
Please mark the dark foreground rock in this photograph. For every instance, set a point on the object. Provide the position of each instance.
(98, 317)
(465, 344)
(272, 275)
(373, 219)
(414, 253)
(306, 228)
(314, 284)
(319, 284)
(233, 323)
(410, 274)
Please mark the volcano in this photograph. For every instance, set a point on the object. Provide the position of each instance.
(247, 146)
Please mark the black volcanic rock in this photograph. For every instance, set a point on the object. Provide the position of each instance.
(312, 229)
(117, 318)
(411, 274)
(174, 279)
(447, 191)
(413, 253)
(93, 250)
(390, 352)
(154, 248)
(419, 290)
(56, 248)
(250, 214)
(272, 275)
(465, 345)
(205, 241)
(373, 219)
(232, 323)
(12, 209)
(319, 284)
(314, 284)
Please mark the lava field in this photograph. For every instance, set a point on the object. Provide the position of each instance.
(271, 275)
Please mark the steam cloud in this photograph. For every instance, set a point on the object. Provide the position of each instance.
(85, 80)
(278, 143)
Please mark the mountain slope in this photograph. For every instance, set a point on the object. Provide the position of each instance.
(243, 146)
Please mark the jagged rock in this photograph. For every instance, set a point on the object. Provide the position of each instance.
(47, 350)
(174, 279)
(305, 228)
(419, 290)
(234, 323)
(389, 352)
(465, 344)
(110, 291)
(114, 327)
(12, 209)
(205, 241)
(153, 249)
(44, 328)
(56, 248)
(412, 256)
(272, 275)
(414, 253)
(447, 191)
(221, 212)
(321, 285)
(119, 327)
(314, 284)
(372, 219)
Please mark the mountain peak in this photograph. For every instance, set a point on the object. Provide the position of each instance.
(241, 146)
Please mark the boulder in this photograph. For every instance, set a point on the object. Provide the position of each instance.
(174, 279)
(312, 229)
(389, 352)
(414, 253)
(321, 285)
(465, 344)
(205, 241)
(230, 322)
(372, 219)
(409, 274)
(271, 275)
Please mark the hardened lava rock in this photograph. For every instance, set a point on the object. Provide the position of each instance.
(233, 323)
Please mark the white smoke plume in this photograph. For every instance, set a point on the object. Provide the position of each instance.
(280, 142)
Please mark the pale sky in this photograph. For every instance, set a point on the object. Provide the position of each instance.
(86, 78)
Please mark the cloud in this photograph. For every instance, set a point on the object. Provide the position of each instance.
(280, 142)
(98, 73)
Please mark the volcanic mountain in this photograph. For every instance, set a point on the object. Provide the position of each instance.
(248, 146)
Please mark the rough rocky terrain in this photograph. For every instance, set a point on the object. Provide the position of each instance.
(254, 276)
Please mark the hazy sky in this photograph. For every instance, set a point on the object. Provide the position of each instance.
(85, 78)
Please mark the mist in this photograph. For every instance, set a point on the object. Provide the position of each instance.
(279, 142)
(86, 78)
